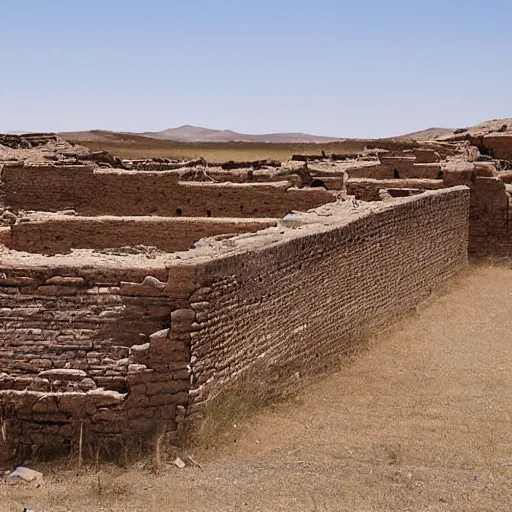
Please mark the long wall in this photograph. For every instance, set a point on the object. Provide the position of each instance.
(276, 307)
(59, 234)
(282, 311)
(91, 191)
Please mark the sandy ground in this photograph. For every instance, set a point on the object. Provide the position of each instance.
(419, 421)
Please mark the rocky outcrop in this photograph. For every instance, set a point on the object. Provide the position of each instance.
(493, 138)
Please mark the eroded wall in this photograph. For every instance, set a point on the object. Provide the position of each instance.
(91, 191)
(490, 231)
(368, 189)
(54, 235)
(170, 337)
(279, 313)
(90, 354)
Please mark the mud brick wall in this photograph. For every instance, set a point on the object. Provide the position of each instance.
(45, 187)
(426, 156)
(490, 229)
(376, 171)
(202, 199)
(125, 193)
(121, 356)
(396, 167)
(499, 145)
(60, 234)
(61, 319)
(90, 353)
(280, 313)
(409, 167)
(367, 189)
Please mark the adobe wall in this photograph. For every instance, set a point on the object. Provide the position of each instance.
(282, 311)
(121, 352)
(499, 145)
(91, 191)
(52, 234)
(45, 187)
(393, 168)
(367, 189)
(490, 229)
(91, 353)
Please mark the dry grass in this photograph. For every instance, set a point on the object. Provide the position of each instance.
(420, 420)
(142, 147)
(214, 421)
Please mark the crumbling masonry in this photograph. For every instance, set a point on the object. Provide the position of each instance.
(131, 296)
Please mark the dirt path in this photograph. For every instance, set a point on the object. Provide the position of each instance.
(419, 421)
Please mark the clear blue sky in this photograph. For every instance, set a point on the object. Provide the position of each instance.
(362, 68)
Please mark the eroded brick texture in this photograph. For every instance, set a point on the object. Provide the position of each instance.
(90, 191)
(88, 354)
(282, 312)
(490, 232)
(55, 322)
(122, 355)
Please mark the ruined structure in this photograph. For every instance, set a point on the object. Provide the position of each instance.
(131, 296)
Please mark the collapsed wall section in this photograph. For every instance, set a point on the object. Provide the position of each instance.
(369, 189)
(88, 353)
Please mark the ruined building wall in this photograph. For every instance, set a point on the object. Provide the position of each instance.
(67, 318)
(490, 232)
(281, 312)
(367, 189)
(88, 352)
(121, 355)
(393, 168)
(124, 193)
(60, 234)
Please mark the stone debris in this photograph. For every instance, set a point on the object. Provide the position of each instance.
(147, 251)
(179, 463)
(24, 475)
(153, 282)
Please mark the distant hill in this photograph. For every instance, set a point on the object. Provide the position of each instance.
(192, 134)
(196, 134)
(102, 136)
(428, 134)
(189, 133)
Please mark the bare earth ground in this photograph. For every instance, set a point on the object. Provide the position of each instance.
(144, 147)
(420, 420)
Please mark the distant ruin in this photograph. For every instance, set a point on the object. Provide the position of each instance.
(134, 292)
